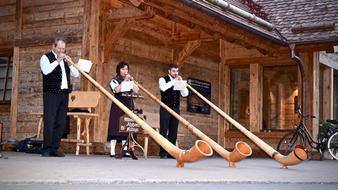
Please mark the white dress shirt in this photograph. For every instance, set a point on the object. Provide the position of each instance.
(113, 84)
(166, 85)
(47, 67)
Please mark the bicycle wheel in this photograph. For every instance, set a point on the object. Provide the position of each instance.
(332, 145)
(289, 141)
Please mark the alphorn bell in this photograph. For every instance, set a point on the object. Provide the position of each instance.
(295, 157)
(241, 151)
(200, 150)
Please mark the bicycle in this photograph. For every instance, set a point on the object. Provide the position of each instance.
(301, 136)
(333, 141)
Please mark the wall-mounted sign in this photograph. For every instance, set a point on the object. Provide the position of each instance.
(196, 104)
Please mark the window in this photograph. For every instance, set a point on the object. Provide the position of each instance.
(280, 92)
(239, 95)
(6, 67)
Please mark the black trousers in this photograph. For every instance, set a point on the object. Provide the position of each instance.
(168, 127)
(55, 106)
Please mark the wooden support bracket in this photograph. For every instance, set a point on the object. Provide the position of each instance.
(186, 51)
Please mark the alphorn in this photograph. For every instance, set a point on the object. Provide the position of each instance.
(241, 150)
(200, 150)
(298, 155)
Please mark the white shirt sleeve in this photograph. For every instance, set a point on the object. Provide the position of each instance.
(185, 92)
(113, 84)
(165, 86)
(73, 71)
(47, 67)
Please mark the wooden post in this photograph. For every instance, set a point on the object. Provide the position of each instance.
(15, 72)
(281, 106)
(14, 95)
(328, 93)
(227, 93)
(315, 86)
(94, 36)
(95, 54)
(256, 93)
(224, 93)
(85, 40)
(311, 63)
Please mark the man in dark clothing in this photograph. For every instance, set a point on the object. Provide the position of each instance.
(170, 97)
(56, 86)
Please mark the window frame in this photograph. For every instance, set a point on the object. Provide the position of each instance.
(6, 78)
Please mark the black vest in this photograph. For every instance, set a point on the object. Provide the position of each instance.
(122, 96)
(52, 81)
(170, 97)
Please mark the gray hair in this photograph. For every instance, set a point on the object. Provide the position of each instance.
(59, 38)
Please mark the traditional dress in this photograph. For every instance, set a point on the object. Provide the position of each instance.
(116, 112)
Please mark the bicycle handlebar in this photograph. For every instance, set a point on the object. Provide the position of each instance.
(305, 116)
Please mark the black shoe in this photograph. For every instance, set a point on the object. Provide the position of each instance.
(163, 156)
(46, 154)
(58, 153)
(132, 155)
(170, 157)
(112, 155)
(118, 156)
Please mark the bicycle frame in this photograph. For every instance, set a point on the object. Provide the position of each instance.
(305, 137)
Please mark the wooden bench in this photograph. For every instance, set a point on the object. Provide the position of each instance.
(86, 100)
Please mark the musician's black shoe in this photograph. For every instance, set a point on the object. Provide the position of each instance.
(46, 153)
(132, 155)
(170, 157)
(57, 153)
(163, 156)
(118, 155)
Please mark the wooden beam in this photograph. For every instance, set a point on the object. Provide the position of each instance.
(328, 60)
(181, 13)
(327, 47)
(119, 30)
(281, 60)
(128, 13)
(256, 97)
(151, 29)
(70, 33)
(140, 49)
(328, 75)
(136, 3)
(185, 36)
(14, 95)
(186, 51)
